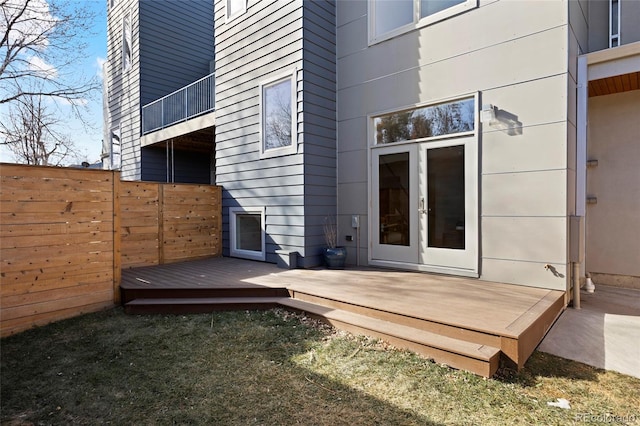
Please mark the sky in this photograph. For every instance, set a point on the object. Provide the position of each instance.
(87, 141)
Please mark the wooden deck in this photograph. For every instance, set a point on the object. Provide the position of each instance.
(466, 323)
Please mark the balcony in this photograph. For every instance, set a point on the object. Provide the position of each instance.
(191, 101)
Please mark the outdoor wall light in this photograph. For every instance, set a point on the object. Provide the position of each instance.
(488, 114)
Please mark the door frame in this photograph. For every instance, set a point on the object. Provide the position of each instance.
(454, 259)
(414, 260)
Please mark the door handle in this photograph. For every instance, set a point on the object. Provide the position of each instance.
(422, 206)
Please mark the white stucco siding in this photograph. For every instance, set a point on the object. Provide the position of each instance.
(613, 224)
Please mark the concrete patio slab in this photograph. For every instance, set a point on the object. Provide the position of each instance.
(605, 333)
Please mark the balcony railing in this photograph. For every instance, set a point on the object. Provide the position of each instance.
(183, 104)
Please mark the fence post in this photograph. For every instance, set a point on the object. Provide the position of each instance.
(117, 236)
(160, 224)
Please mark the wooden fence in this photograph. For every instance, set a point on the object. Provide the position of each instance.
(65, 234)
(164, 223)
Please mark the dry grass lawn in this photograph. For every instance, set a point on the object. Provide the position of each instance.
(276, 368)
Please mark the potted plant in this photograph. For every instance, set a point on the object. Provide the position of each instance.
(334, 256)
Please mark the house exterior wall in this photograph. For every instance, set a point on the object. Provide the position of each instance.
(123, 87)
(514, 54)
(176, 45)
(274, 38)
(613, 224)
(172, 46)
(598, 19)
(629, 21)
(319, 122)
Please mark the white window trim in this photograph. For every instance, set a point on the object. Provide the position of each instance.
(417, 21)
(285, 150)
(476, 150)
(126, 67)
(115, 132)
(230, 17)
(614, 39)
(246, 254)
(371, 133)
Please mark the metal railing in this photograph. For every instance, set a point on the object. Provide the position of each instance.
(195, 99)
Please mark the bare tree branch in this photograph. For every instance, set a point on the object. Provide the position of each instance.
(30, 132)
(41, 41)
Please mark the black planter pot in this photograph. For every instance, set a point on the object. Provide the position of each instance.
(334, 257)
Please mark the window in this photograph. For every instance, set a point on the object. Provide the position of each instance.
(442, 119)
(277, 116)
(235, 8)
(614, 23)
(388, 18)
(126, 42)
(247, 232)
(390, 15)
(115, 157)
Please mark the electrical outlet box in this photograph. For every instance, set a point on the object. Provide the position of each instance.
(355, 221)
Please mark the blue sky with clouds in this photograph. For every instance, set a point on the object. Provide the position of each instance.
(88, 141)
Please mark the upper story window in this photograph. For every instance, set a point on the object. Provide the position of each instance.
(388, 18)
(115, 155)
(445, 119)
(277, 109)
(235, 8)
(126, 42)
(614, 23)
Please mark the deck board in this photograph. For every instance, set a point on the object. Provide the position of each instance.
(510, 317)
(496, 308)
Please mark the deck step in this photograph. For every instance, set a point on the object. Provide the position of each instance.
(183, 305)
(129, 293)
(460, 354)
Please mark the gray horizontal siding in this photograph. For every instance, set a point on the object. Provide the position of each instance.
(297, 190)
(176, 45)
(319, 123)
(188, 166)
(123, 87)
(262, 43)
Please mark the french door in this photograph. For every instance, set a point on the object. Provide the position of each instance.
(425, 206)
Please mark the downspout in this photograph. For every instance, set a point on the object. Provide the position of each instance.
(581, 175)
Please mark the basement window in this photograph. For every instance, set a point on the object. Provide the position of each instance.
(247, 232)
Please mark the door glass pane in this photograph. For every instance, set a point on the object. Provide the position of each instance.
(394, 198)
(248, 232)
(445, 189)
